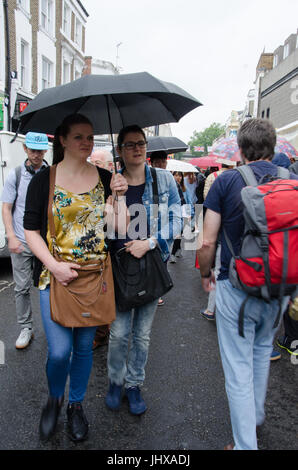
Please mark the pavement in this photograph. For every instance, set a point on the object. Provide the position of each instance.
(184, 385)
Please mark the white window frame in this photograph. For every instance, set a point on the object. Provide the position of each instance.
(275, 60)
(24, 4)
(78, 33)
(66, 77)
(47, 15)
(66, 22)
(24, 65)
(286, 50)
(46, 75)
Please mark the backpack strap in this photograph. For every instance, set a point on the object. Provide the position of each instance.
(18, 172)
(283, 173)
(247, 174)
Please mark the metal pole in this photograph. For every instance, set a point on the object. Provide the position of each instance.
(8, 71)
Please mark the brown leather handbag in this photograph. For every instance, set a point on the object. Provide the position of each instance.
(89, 299)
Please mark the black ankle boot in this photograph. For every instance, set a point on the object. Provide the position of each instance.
(77, 422)
(49, 417)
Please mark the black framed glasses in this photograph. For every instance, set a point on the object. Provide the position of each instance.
(132, 145)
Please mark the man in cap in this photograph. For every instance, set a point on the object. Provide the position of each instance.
(13, 207)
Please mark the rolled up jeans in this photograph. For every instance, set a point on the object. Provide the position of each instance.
(246, 361)
(128, 366)
(69, 353)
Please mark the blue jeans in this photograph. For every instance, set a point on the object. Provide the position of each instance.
(69, 353)
(128, 366)
(246, 361)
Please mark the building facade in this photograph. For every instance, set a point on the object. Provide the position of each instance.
(44, 47)
(278, 91)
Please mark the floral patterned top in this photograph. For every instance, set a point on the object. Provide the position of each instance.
(79, 226)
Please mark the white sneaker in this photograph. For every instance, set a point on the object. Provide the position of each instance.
(173, 259)
(24, 339)
(179, 253)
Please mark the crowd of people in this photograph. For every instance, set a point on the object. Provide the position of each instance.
(90, 199)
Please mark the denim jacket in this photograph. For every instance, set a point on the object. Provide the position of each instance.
(170, 222)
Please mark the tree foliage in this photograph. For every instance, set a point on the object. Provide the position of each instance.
(205, 138)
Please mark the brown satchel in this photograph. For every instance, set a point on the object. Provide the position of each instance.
(89, 299)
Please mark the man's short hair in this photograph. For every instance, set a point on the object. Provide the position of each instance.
(158, 155)
(257, 139)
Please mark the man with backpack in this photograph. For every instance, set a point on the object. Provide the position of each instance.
(13, 207)
(248, 308)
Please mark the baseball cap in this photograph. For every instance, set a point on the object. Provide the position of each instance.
(37, 141)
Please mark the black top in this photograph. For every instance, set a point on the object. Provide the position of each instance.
(36, 209)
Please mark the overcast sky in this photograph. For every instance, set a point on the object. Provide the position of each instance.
(209, 48)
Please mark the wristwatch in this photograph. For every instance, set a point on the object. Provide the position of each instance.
(152, 243)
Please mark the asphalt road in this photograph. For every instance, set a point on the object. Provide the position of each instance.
(184, 386)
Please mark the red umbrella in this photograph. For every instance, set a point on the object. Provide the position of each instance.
(204, 162)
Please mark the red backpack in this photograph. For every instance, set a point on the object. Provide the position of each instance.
(267, 264)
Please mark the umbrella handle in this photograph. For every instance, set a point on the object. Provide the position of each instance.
(111, 132)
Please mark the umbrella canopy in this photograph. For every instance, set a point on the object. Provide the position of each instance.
(227, 149)
(180, 165)
(165, 144)
(283, 146)
(205, 162)
(110, 102)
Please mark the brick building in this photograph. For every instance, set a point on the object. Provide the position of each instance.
(44, 45)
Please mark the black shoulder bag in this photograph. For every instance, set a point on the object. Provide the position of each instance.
(138, 281)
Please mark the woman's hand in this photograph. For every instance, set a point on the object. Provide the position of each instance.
(118, 184)
(137, 248)
(65, 272)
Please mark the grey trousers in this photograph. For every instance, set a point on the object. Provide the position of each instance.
(22, 266)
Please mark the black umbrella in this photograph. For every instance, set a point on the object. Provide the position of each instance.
(110, 102)
(166, 144)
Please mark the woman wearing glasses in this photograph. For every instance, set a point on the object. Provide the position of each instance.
(129, 339)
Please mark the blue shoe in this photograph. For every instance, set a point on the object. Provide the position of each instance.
(137, 406)
(275, 355)
(114, 396)
(208, 316)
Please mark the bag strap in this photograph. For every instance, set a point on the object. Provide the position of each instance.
(18, 172)
(154, 186)
(283, 173)
(50, 203)
(155, 199)
(248, 175)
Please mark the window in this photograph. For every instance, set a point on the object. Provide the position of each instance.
(78, 33)
(66, 72)
(77, 74)
(24, 66)
(268, 113)
(66, 19)
(24, 4)
(263, 114)
(275, 60)
(286, 50)
(46, 78)
(47, 15)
